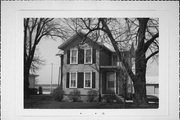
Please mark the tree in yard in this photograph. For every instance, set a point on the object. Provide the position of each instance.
(121, 33)
(34, 30)
(141, 60)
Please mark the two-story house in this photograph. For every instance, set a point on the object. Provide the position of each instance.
(91, 65)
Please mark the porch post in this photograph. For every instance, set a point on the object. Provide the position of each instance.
(115, 87)
(60, 74)
(100, 85)
(117, 83)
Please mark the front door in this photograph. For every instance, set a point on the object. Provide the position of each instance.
(111, 82)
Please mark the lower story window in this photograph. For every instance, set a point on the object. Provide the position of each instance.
(73, 80)
(87, 80)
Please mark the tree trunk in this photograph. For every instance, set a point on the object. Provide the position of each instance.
(26, 84)
(139, 79)
(26, 80)
(140, 62)
(140, 84)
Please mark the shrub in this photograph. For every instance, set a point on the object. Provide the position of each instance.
(74, 95)
(110, 97)
(92, 94)
(33, 91)
(58, 94)
(128, 96)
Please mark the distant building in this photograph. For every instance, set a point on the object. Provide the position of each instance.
(46, 88)
(32, 80)
(152, 85)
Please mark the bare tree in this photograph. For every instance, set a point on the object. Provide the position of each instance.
(141, 60)
(120, 33)
(37, 62)
(34, 30)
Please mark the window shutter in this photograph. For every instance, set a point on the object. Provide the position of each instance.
(81, 56)
(93, 79)
(80, 80)
(67, 80)
(94, 55)
(68, 56)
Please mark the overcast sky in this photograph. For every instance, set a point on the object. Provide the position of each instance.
(48, 49)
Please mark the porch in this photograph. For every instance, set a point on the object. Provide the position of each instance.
(113, 80)
(109, 80)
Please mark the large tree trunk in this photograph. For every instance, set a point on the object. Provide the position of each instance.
(140, 63)
(26, 82)
(27, 66)
(26, 70)
(140, 83)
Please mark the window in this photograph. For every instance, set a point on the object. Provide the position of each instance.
(87, 80)
(73, 80)
(88, 56)
(73, 56)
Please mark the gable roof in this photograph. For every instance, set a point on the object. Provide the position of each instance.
(68, 41)
(81, 35)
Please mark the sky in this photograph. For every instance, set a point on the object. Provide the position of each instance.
(48, 48)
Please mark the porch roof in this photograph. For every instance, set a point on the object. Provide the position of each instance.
(109, 67)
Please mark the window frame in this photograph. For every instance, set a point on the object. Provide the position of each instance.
(71, 56)
(85, 55)
(71, 79)
(90, 79)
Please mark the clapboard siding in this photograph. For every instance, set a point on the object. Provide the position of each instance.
(81, 67)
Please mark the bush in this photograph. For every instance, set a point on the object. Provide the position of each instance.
(92, 94)
(33, 91)
(58, 94)
(128, 96)
(74, 95)
(110, 97)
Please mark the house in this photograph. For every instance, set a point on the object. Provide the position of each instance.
(90, 65)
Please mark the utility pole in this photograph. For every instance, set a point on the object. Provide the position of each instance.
(51, 76)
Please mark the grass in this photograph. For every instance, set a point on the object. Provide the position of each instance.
(47, 102)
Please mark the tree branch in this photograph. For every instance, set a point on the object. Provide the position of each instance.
(154, 53)
(26, 21)
(148, 43)
(124, 62)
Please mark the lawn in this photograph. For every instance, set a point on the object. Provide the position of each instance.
(47, 102)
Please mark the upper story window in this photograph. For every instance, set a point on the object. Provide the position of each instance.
(81, 56)
(73, 80)
(73, 56)
(88, 80)
(88, 56)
